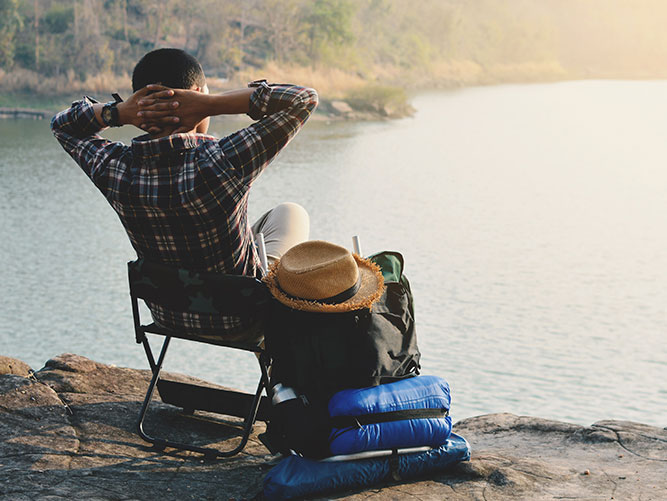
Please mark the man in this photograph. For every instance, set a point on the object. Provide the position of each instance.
(182, 195)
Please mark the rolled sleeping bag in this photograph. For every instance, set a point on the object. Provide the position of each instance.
(296, 476)
(409, 413)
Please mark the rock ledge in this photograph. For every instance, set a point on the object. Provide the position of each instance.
(67, 432)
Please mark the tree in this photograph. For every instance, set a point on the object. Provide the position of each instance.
(91, 53)
(329, 25)
(10, 22)
(283, 22)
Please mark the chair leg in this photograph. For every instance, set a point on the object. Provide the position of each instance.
(248, 423)
(149, 352)
(250, 419)
(156, 368)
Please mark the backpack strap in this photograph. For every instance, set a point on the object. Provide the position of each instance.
(385, 417)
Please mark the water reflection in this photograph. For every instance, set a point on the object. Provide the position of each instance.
(531, 218)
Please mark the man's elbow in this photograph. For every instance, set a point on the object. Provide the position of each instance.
(310, 98)
(313, 97)
(56, 124)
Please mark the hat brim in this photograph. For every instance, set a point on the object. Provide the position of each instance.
(370, 290)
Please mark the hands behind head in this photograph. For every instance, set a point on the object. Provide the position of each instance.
(162, 111)
(129, 112)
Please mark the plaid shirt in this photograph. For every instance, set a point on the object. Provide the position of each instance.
(183, 198)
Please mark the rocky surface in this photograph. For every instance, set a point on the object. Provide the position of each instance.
(67, 432)
(13, 366)
(362, 111)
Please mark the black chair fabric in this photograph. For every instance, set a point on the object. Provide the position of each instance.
(204, 293)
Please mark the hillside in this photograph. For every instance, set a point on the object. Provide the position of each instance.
(66, 47)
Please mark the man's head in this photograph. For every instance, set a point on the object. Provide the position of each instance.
(173, 68)
(170, 67)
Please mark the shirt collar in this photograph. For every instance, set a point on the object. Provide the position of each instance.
(146, 148)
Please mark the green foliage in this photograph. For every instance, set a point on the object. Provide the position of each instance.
(369, 39)
(10, 22)
(379, 99)
(329, 23)
(59, 18)
(92, 36)
(25, 55)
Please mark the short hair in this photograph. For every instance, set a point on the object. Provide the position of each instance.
(170, 67)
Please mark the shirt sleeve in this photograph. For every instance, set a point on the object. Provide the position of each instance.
(280, 111)
(76, 129)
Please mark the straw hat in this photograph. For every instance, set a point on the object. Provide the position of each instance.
(319, 276)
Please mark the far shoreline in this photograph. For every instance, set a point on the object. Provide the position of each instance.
(40, 106)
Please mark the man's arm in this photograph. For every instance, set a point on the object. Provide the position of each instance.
(77, 131)
(187, 108)
(279, 110)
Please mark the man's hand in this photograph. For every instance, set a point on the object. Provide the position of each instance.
(129, 111)
(167, 107)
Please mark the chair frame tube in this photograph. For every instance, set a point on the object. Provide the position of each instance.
(156, 368)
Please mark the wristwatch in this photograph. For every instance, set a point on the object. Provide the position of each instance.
(110, 112)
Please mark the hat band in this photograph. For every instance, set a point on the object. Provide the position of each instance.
(338, 298)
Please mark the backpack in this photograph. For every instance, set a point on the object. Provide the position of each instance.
(322, 353)
(319, 354)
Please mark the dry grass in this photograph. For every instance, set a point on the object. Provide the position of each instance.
(331, 83)
(383, 100)
(379, 88)
(334, 83)
(26, 81)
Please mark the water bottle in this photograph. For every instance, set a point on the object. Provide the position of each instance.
(300, 424)
(282, 393)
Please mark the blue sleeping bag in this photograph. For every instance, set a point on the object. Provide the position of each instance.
(394, 399)
(296, 476)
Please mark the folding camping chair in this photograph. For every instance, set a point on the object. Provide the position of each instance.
(204, 293)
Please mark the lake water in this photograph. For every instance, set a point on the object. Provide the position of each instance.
(533, 220)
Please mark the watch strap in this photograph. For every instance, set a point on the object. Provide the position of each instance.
(110, 114)
(258, 83)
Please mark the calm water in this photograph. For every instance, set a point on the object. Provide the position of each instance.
(532, 219)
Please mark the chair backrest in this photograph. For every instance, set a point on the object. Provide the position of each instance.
(197, 292)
